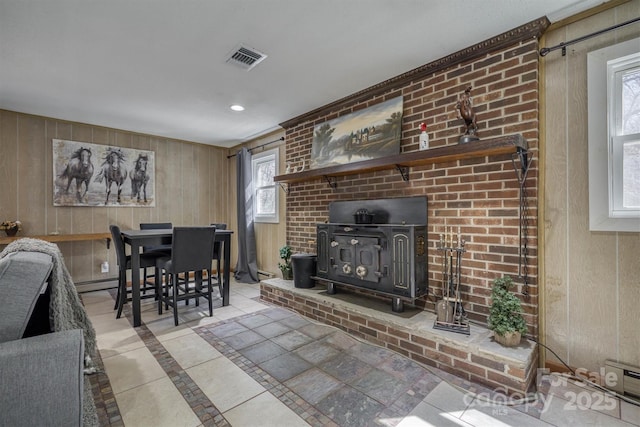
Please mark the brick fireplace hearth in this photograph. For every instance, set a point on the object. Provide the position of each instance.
(475, 357)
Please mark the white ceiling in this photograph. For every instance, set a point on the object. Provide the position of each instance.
(158, 66)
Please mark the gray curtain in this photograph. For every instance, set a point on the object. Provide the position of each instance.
(247, 266)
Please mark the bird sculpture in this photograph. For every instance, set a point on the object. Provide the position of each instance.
(467, 113)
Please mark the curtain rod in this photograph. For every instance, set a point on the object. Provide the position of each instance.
(259, 146)
(545, 50)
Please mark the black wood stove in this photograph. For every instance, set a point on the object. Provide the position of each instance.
(379, 245)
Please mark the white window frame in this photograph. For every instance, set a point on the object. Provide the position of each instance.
(256, 160)
(606, 212)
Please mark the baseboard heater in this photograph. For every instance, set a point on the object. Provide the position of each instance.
(628, 383)
(266, 273)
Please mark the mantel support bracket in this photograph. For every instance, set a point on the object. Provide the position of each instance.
(525, 162)
(331, 180)
(285, 188)
(404, 171)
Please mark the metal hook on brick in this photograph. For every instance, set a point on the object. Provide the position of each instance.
(285, 187)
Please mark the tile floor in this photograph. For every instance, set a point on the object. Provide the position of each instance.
(252, 364)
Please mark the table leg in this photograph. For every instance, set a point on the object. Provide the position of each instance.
(226, 281)
(197, 282)
(135, 283)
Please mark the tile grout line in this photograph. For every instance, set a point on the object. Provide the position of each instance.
(200, 404)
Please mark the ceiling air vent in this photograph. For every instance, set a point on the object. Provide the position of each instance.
(245, 57)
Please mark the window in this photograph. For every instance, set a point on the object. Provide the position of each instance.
(614, 137)
(264, 167)
(624, 78)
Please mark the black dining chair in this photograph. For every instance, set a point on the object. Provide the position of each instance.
(217, 254)
(191, 252)
(124, 263)
(165, 249)
(156, 226)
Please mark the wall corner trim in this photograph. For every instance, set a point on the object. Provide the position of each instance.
(531, 30)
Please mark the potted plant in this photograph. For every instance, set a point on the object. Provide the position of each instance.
(285, 267)
(11, 227)
(505, 314)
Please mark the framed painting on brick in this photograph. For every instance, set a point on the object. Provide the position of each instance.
(362, 135)
(86, 174)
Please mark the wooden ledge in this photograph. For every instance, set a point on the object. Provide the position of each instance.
(59, 238)
(447, 153)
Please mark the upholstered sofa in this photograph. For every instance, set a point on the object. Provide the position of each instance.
(41, 372)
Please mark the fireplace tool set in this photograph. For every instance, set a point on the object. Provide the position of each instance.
(451, 315)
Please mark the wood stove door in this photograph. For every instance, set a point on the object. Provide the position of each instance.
(342, 255)
(367, 262)
(356, 257)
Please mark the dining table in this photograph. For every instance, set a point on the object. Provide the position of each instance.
(136, 239)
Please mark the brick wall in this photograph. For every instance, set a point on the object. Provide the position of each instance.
(480, 196)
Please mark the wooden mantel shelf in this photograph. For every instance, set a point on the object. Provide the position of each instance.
(490, 147)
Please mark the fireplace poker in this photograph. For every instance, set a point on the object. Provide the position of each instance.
(452, 286)
(458, 302)
(444, 271)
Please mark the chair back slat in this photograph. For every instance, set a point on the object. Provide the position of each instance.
(118, 244)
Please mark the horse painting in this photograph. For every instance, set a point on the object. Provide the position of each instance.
(79, 168)
(113, 171)
(139, 177)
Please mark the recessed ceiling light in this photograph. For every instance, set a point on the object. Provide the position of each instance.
(237, 107)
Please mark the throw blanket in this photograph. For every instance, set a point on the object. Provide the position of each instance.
(66, 311)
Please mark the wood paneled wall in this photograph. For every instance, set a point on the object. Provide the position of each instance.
(192, 186)
(591, 280)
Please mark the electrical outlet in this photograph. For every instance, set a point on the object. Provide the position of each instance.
(104, 267)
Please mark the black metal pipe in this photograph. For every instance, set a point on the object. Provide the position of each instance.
(545, 50)
(259, 146)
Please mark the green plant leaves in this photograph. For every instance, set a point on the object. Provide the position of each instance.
(505, 313)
